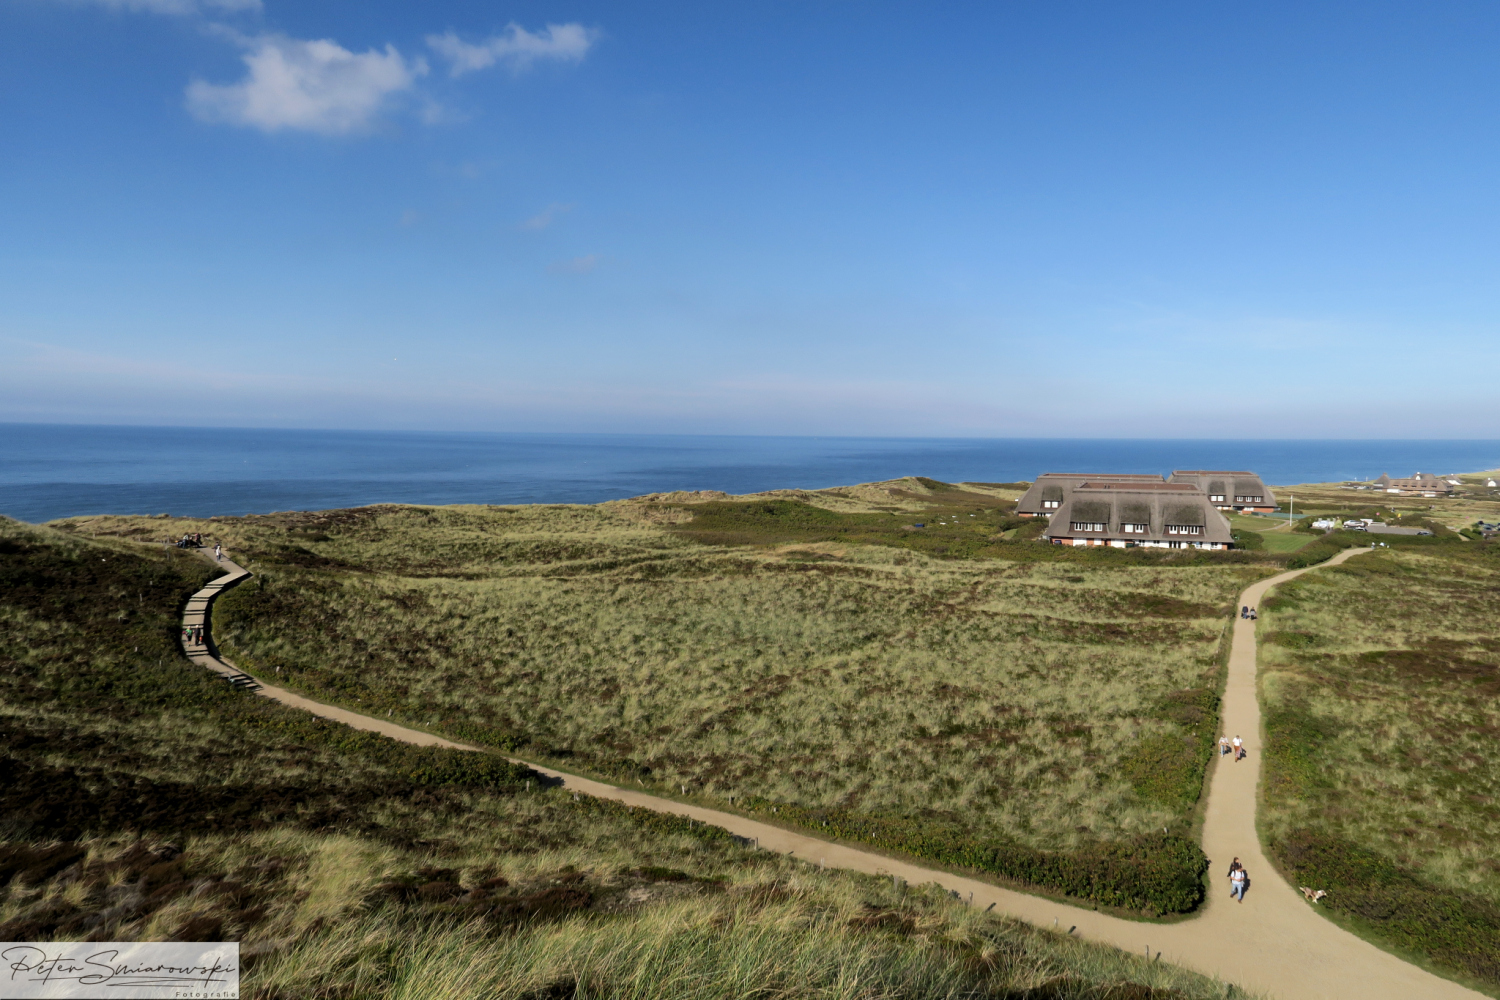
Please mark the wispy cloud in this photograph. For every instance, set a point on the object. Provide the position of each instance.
(313, 86)
(515, 47)
(578, 265)
(546, 216)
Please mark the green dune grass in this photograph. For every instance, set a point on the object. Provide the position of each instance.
(143, 799)
(1381, 686)
(1034, 704)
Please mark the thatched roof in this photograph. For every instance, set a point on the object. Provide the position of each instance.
(1422, 481)
(1184, 513)
(1091, 510)
(1227, 484)
(1154, 504)
(1056, 485)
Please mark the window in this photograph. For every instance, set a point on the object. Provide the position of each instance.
(1184, 529)
(1088, 526)
(1216, 497)
(1247, 499)
(1135, 529)
(1051, 504)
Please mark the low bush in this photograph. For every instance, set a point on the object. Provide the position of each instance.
(1453, 927)
(1249, 541)
(1323, 549)
(1156, 874)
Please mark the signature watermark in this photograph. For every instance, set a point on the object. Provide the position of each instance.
(134, 970)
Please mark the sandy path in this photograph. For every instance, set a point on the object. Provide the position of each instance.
(1274, 942)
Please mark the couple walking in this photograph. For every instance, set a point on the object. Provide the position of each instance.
(1225, 743)
(1238, 880)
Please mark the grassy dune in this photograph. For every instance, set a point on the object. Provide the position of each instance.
(142, 800)
(1382, 693)
(831, 667)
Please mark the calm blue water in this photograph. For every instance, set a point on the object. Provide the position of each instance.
(49, 471)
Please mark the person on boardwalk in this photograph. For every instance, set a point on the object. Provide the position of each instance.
(1238, 878)
(218, 552)
(1239, 748)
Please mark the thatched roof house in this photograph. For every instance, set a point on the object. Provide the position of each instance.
(1230, 490)
(1051, 488)
(1142, 513)
(1424, 483)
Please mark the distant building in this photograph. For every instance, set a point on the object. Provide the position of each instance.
(1046, 495)
(1125, 513)
(1422, 483)
(1230, 490)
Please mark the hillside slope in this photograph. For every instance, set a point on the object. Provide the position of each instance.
(144, 800)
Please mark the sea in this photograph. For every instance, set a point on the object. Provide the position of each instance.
(50, 471)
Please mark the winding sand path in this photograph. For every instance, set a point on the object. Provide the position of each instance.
(1273, 943)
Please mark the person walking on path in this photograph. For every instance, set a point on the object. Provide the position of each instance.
(1239, 748)
(1237, 881)
(218, 552)
(1223, 746)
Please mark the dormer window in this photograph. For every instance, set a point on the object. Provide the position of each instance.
(1184, 529)
(1051, 504)
(1088, 526)
(1246, 499)
(1135, 529)
(1216, 497)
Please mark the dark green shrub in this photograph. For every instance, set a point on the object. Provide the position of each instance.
(1292, 640)
(1156, 874)
(1250, 541)
(1454, 928)
(1319, 551)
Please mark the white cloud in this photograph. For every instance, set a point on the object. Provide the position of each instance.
(516, 47)
(178, 6)
(316, 86)
(578, 265)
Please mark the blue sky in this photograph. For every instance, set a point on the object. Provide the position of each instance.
(994, 219)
